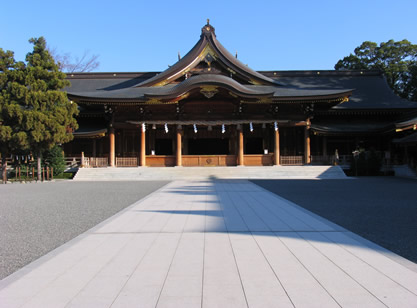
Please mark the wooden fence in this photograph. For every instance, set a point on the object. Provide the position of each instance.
(127, 161)
(322, 159)
(72, 162)
(27, 173)
(292, 160)
(201, 160)
(95, 162)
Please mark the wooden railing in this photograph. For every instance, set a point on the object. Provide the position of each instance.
(292, 160)
(127, 162)
(322, 159)
(345, 160)
(72, 161)
(27, 173)
(95, 162)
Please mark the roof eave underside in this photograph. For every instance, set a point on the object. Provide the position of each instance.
(172, 98)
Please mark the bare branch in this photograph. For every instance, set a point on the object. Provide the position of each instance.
(68, 64)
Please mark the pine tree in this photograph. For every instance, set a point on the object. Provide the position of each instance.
(12, 139)
(35, 113)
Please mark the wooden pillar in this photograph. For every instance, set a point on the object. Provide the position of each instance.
(276, 149)
(142, 148)
(112, 154)
(307, 157)
(179, 147)
(240, 161)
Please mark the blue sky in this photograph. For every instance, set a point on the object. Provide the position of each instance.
(147, 35)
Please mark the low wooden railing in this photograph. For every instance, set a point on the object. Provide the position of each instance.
(27, 173)
(127, 161)
(322, 159)
(72, 161)
(94, 162)
(345, 159)
(292, 160)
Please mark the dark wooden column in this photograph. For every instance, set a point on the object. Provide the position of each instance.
(240, 160)
(142, 157)
(307, 157)
(276, 149)
(179, 147)
(112, 154)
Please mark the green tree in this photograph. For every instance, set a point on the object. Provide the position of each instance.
(12, 139)
(35, 111)
(395, 59)
(411, 84)
(55, 159)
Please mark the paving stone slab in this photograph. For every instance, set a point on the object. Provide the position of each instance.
(213, 243)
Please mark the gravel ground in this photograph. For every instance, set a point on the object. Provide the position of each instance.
(382, 210)
(36, 218)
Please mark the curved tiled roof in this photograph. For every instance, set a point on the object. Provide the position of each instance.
(370, 89)
(83, 91)
(192, 58)
(211, 80)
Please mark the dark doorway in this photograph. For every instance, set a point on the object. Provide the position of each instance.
(254, 146)
(163, 146)
(208, 146)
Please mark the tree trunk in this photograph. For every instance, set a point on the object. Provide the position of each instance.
(4, 170)
(39, 166)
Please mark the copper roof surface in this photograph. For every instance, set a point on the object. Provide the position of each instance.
(370, 89)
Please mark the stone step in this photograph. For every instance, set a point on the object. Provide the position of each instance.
(185, 173)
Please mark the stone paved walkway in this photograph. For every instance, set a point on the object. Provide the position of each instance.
(223, 243)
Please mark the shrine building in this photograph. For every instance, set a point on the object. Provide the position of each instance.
(210, 109)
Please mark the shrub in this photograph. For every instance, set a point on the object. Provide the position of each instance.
(55, 159)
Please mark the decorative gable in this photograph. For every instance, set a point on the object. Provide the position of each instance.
(208, 56)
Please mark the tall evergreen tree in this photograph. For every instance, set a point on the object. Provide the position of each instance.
(12, 138)
(35, 112)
